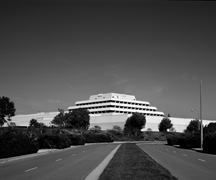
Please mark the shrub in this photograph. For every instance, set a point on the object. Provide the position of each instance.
(98, 137)
(190, 140)
(16, 143)
(173, 138)
(77, 139)
(56, 141)
(115, 132)
(209, 143)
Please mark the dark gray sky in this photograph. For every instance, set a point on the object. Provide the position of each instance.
(53, 54)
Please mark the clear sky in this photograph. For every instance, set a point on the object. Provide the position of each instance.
(53, 54)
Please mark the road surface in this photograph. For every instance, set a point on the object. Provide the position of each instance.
(68, 164)
(182, 163)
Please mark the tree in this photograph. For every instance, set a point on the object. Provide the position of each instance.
(117, 128)
(59, 120)
(165, 124)
(78, 118)
(210, 128)
(34, 123)
(96, 129)
(135, 123)
(172, 129)
(7, 110)
(193, 127)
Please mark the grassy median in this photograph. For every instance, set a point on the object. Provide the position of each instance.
(130, 162)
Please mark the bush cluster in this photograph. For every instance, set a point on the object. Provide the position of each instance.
(185, 140)
(20, 142)
(59, 141)
(115, 132)
(54, 141)
(173, 138)
(16, 143)
(209, 143)
(190, 140)
(92, 137)
(77, 139)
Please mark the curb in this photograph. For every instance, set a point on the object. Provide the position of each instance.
(95, 174)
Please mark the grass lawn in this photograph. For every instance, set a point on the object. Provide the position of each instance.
(130, 162)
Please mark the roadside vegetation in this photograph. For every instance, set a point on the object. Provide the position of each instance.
(72, 128)
(68, 129)
(191, 137)
(130, 162)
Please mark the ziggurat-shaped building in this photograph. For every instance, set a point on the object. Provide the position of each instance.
(107, 110)
(110, 109)
(112, 103)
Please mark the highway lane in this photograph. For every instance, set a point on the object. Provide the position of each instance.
(66, 164)
(182, 163)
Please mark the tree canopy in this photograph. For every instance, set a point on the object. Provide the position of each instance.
(7, 110)
(165, 124)
(193, 127)
(34, 123)
(117, 128)
(135, 123)
(59, 120)
(78, 118)
(96, 129)
(210, 128)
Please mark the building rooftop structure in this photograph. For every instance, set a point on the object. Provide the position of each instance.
(116, 104)
(107, 110)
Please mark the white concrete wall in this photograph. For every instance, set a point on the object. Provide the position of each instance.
(23, 120)
(107, 121)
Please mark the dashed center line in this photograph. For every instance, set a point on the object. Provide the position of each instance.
(31, 169)
(73, 154)
(184, 154)
(59, 159)
(174, 151)
(83, 151)
(201, 160)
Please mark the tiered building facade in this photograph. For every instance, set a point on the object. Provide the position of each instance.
(107, 110)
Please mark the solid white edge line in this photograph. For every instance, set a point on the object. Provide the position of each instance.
(95, 174)
(201, 160)
(30, 169)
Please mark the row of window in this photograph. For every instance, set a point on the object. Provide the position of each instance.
(122, 107)
(110, 111)
(110, 101)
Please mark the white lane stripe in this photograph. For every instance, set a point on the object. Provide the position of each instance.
(59, 159)
(201, 160)
(184, 154)
(100, 168)
(30, 169)
(73, 154)
(174, 151)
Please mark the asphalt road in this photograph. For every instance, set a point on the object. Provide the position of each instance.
(68, 164)
(182, 163)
